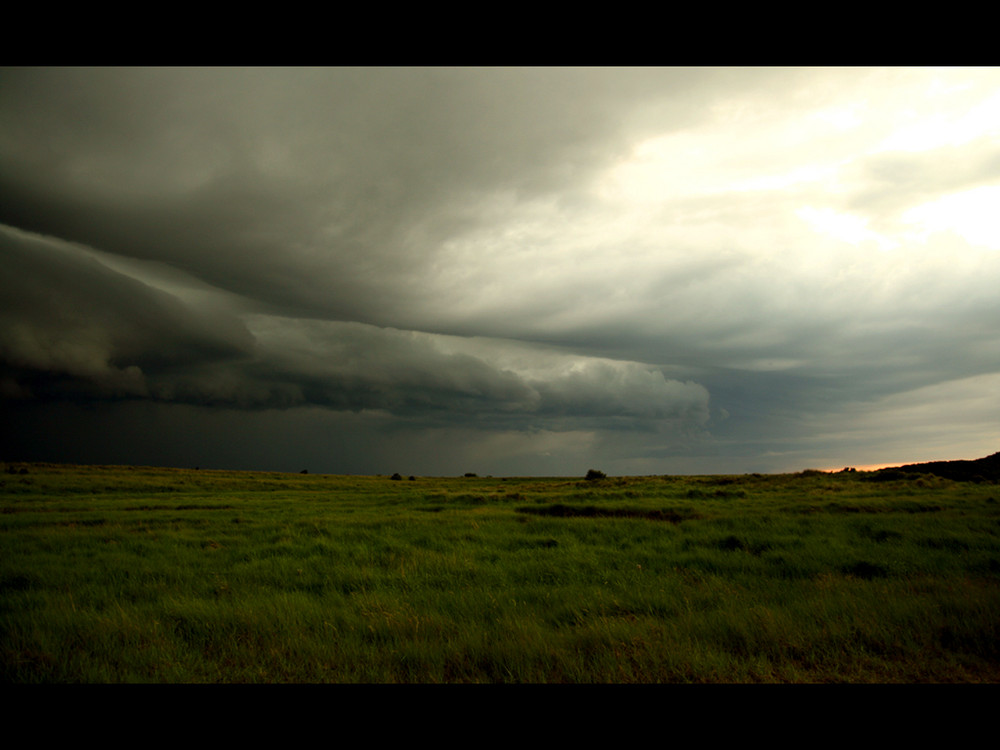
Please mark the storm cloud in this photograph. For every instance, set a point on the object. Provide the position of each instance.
(528, 270)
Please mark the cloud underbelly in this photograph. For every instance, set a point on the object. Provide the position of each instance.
(78, 329)
(357, 367)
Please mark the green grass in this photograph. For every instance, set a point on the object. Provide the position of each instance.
(121, 574)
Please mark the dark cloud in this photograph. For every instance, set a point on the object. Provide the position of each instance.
(75, 328)
(518, 268)
(314, 190)
(66, 317)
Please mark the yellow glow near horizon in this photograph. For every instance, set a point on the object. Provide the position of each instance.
(862, 467)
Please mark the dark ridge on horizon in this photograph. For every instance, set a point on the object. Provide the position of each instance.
(978, 470)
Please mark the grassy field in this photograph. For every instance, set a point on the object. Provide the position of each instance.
(121, 574)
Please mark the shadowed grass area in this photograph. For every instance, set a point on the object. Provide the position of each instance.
(126, 574)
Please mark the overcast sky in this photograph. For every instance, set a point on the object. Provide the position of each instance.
(508, 271)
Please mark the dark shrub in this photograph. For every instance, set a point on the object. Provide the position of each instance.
(865, 570)
(593, 474)
(395, 477)
(731, 543)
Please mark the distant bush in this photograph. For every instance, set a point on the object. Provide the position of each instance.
(593, 474)
(470, 474)
(395, 477)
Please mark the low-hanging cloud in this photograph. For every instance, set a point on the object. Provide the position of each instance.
(71, 325)
(355, 366)
(76, 328)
